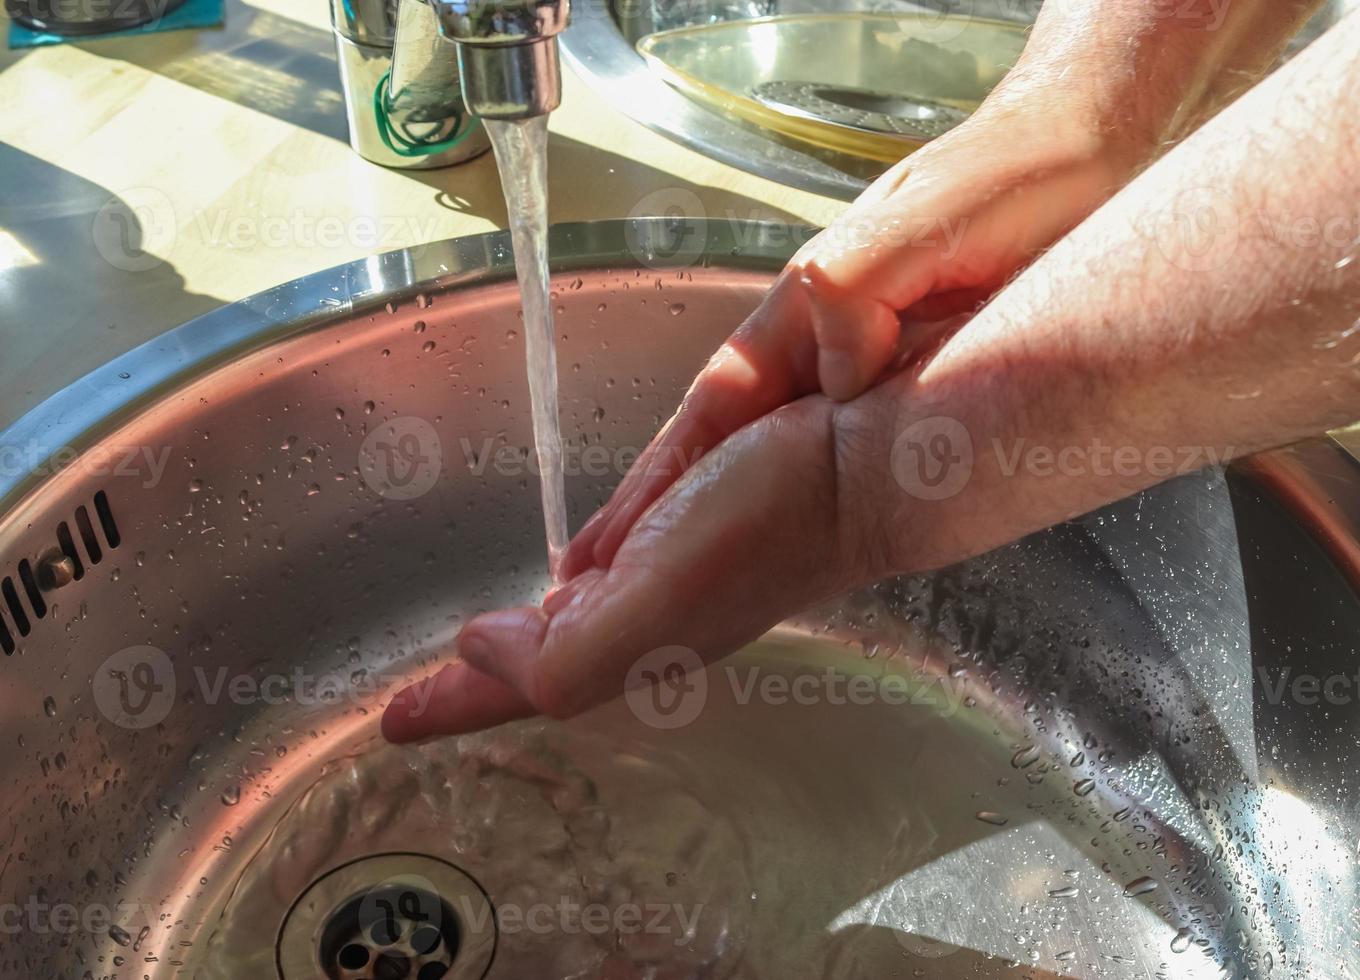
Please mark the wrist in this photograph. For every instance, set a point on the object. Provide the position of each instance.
(1073, 117)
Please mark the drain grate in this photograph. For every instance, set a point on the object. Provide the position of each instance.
(389, 917)
(23, 600)
(399, 931)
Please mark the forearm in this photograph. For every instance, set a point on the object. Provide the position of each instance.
(1146, 73)
(1211, 305)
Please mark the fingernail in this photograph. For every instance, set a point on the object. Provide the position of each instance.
(505, 644)
(838, 374)
(475, 649)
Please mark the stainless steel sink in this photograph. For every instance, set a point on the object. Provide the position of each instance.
(1121, 748)
(600, 47)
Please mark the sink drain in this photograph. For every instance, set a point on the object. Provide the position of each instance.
(389, 917)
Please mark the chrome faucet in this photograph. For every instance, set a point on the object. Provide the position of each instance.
(507, 54)
(412, 102)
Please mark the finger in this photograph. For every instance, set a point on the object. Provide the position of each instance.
(768, 362)
(456, 700)
(749, 537)
(857, 336)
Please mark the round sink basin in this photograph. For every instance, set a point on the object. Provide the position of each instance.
(1120, 748)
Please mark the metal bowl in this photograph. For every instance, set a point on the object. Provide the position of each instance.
(600, 46)
(1120, 748)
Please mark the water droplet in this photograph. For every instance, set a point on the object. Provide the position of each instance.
(50, 707)
(1084, 786)
(427, 346)
(993, 818)
(1025, 757)
(1181, 942)
(231, 796)
(1140, 886)
(1067, 891)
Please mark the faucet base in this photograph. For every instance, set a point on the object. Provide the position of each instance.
(362, 67)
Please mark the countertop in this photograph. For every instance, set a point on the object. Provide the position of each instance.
(224, 155)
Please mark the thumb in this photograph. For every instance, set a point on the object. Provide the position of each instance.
(750, 536)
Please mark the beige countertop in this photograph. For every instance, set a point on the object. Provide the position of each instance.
(222, 155)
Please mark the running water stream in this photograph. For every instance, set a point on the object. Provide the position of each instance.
(522, 156)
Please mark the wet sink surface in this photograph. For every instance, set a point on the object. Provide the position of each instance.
(1081, 756)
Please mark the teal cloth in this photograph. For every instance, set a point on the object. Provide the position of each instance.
(193, 13)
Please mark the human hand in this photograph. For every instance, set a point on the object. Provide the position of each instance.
(928, 243)
(1132, 337)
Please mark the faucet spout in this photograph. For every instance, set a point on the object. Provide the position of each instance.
(507, 54)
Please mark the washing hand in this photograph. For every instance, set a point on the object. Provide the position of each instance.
(1127, 337)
